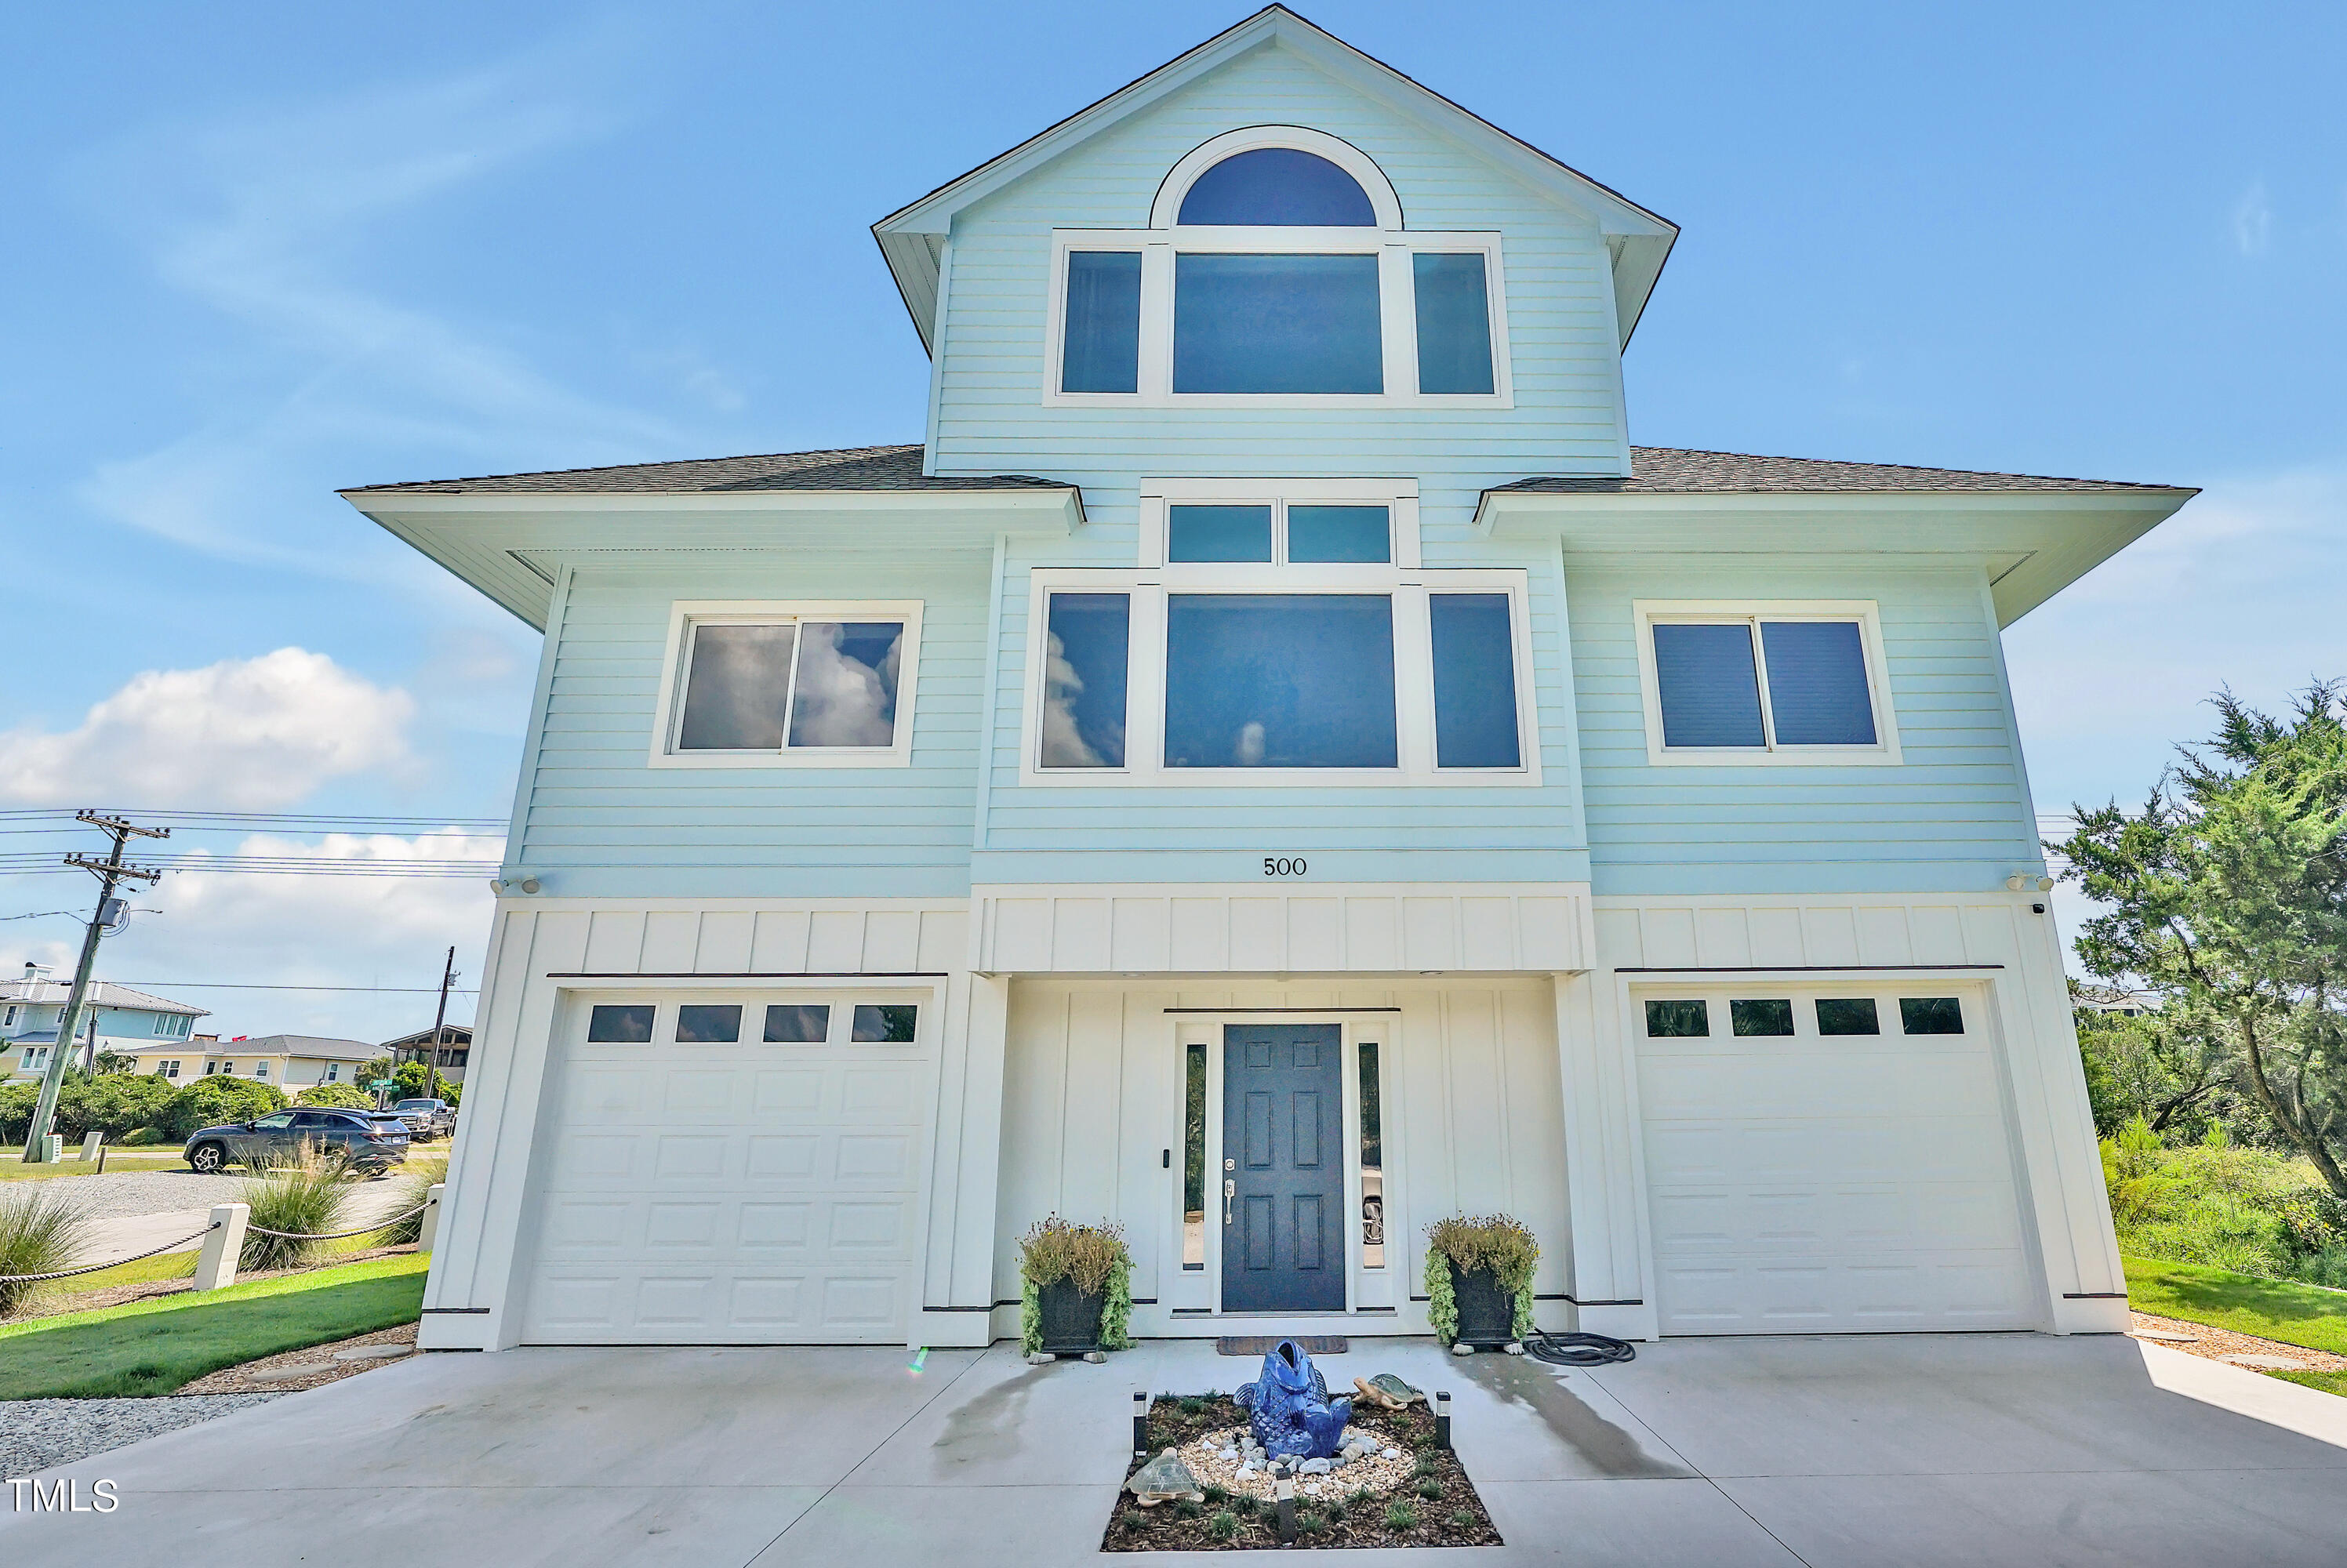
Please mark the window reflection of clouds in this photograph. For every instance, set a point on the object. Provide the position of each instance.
(734, 694)
(1087, 649)
(845, 691)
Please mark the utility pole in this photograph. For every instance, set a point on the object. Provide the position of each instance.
(432, 1062)
(110, 873)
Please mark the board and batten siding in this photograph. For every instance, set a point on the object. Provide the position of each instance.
(1471, 1103)
(597, 821)
(1954, 814)
(988, 411)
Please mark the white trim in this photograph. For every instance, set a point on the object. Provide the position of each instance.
(1400, 496)
(1175, 189)
(1397, 297)
(1144, 726)
(1884, 753)
(684, 614)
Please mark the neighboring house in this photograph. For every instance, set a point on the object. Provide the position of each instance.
(1276, 686)
(292, 1061)
(455, 1049)
(2118, 1000)
(115, 1018)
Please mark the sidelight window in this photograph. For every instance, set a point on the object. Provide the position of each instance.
(1193, 1157)
(1373, 1161)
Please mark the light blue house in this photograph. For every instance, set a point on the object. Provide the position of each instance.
(115, 1019)
(1277, 688)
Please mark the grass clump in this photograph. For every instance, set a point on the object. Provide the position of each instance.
(1309, 1522)
(1401, 1516)
(1464, 1519)
(1224, 1525)
(1192, 1405)
(1429, 1489)
(42, 1229)
(1185, 1509)
(417, 1182)
(307, 1196)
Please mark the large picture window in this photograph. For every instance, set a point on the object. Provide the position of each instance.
(1288, 640)
(821, 685)
(1786, 682)
(1277, 266)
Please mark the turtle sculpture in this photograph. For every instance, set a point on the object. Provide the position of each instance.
(1289, 1408)
(1165, 1479)
(1388, 1392)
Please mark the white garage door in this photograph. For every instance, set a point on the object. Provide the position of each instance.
(1827, 1160)
(732, 1169)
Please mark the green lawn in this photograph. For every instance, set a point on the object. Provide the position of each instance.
(156, 1347)
(2278, 1309)
(14, 1169)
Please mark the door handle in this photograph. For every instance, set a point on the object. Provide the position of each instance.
(1230, 1190)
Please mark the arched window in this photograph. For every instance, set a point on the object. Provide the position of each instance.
(1277, 266)
(1281, 186)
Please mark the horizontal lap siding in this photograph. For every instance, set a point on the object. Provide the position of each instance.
(1956, 813)
(990, 417)
(601, 821)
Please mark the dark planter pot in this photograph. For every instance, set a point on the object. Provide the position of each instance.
(1486, 1313)
(1072, 1318)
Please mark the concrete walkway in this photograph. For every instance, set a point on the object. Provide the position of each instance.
(1973, 1450)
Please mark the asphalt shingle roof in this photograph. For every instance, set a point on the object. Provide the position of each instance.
(1675, 471)
(846, 468)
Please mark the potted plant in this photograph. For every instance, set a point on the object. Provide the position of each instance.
(1478, 1280)
(1075, 1292)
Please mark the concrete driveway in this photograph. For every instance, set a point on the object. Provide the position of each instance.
(1991, 1450)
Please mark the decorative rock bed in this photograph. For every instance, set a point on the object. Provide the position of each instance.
(1403, 1492)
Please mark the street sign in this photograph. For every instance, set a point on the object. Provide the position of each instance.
(381, 1083)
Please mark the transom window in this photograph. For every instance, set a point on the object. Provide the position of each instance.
(754, 1023)
(809, 685)
(1798, 682)
(1290, 637)
(1276, 267)
(1674, 1018)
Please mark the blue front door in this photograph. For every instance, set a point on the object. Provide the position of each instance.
(1283, 1168)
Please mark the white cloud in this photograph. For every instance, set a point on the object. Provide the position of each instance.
(2253, 220)
(264, 217)
(244, 734)
(286, 930)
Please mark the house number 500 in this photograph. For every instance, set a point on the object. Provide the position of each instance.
(1281, 868)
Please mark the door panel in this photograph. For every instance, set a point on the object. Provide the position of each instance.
(1282, 1242)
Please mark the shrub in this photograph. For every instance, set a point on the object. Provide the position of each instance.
(209, 1102)
(16, 1103)
(1401, 1516)
(1094, 1257)
(1499, 1244)
(1224, 1525)
(2212, 1201)
(419, 1183)
(341, 1096)
(112, 1103)
(307, 1197)
(144, 1137)
(42, 1228)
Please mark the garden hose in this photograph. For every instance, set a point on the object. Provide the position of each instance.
(1579, 1349)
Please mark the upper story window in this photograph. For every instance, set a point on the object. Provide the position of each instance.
(1279, 632)
(794, 684)
(1276, 271)
(1796, 682)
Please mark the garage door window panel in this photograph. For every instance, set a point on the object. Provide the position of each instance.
(1675, 1019)
(886, 1023)
(1931, 1015)
(629, 1023)
(1765, 1015)
(1848, 1015)
(708, 1024)
(797, 1023)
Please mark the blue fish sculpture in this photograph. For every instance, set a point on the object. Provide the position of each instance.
(1289, 1408)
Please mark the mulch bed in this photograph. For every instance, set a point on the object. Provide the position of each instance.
(1451, 1516)
(2223, 1344)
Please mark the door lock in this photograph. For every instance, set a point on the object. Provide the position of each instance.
(1230, 1190)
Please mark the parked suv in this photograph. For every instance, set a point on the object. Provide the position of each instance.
(370, 1140)
(427, 1119)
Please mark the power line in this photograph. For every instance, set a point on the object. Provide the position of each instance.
(34, 863)
(159, 987)
(233, 818)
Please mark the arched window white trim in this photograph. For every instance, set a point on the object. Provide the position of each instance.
(1165, 210)
(1112, 318)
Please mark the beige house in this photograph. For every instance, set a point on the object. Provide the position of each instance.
(290, 1061)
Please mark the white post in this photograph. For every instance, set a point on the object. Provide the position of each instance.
(216, 1265)
(89, 1146)
(53, 1148)
(431, 1231)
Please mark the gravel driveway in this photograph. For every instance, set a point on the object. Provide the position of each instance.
(125, 1194)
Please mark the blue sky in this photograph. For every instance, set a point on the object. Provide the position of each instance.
(255, 252)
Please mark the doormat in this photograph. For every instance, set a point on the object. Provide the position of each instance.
(1263, 1343)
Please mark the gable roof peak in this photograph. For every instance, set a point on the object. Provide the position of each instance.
(912, 239)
